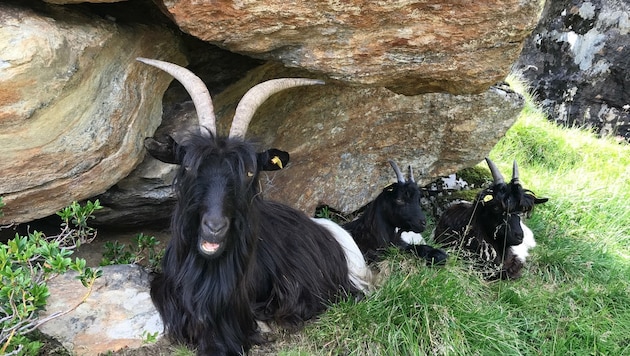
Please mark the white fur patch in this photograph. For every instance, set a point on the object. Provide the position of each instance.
(412, 238)
(359, 273)
(522, 251)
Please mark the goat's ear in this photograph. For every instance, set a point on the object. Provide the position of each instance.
(163, 149)
(540, 200)
(486, 198)
(273, 159)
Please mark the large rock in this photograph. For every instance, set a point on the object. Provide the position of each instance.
(578, 62)
(410, 47)
(118, 313)
(65, 2)
(339, 138)
(75, 106)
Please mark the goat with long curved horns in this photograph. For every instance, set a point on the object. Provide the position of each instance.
(491, 228)
(235, 258)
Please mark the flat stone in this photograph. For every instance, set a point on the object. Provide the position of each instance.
(117, 313)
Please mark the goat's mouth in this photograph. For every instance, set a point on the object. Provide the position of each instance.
(209, 248)
(514, 241)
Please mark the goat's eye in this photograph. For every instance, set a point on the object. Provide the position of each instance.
(399, 201)
(250, 174)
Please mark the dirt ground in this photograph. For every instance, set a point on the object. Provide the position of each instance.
(163, 348)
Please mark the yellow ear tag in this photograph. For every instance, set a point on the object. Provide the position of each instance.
(487, 198)
(277, 161)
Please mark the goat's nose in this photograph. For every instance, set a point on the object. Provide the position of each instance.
(214, 225)
(517, 238)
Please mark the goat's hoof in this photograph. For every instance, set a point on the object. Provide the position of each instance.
(437, 257)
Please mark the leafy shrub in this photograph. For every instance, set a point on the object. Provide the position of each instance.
(143, 250)
(27, 263)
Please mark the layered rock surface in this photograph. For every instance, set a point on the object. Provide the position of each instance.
(411, 47)
(74, 105)
(578, 63)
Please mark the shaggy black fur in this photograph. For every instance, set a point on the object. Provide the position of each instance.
(235, 258)
(488, 227)
(395, 209)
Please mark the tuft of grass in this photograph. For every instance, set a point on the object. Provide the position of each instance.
(574, 297)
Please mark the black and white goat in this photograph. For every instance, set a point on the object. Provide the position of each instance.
(491, 228)
(235, 258)
(394, 211)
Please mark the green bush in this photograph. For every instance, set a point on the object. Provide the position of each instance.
(476, 176)
(143, 250)
(27, 263)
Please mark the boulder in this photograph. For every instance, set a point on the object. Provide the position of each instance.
(578, 63)
(118, 313)
(66, 2)
(340, 137)
(411, 47)
(75, 106)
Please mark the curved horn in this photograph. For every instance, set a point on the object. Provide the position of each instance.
(399, 175)
(496, 175)
(256, 96)
(515, 173)
(411, 175)
(195, 88)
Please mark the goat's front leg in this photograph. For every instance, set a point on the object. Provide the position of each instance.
(433, 256)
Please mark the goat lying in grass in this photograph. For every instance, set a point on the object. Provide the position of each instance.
(491, 227)
(235, 258)
(395, 210)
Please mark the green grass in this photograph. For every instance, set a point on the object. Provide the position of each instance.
(574, 298)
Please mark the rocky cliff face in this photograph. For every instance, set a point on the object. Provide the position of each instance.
(410, 81)
(578, 61)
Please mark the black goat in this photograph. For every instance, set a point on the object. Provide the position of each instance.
(235, 258)
(491, 227)
(395, 210)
